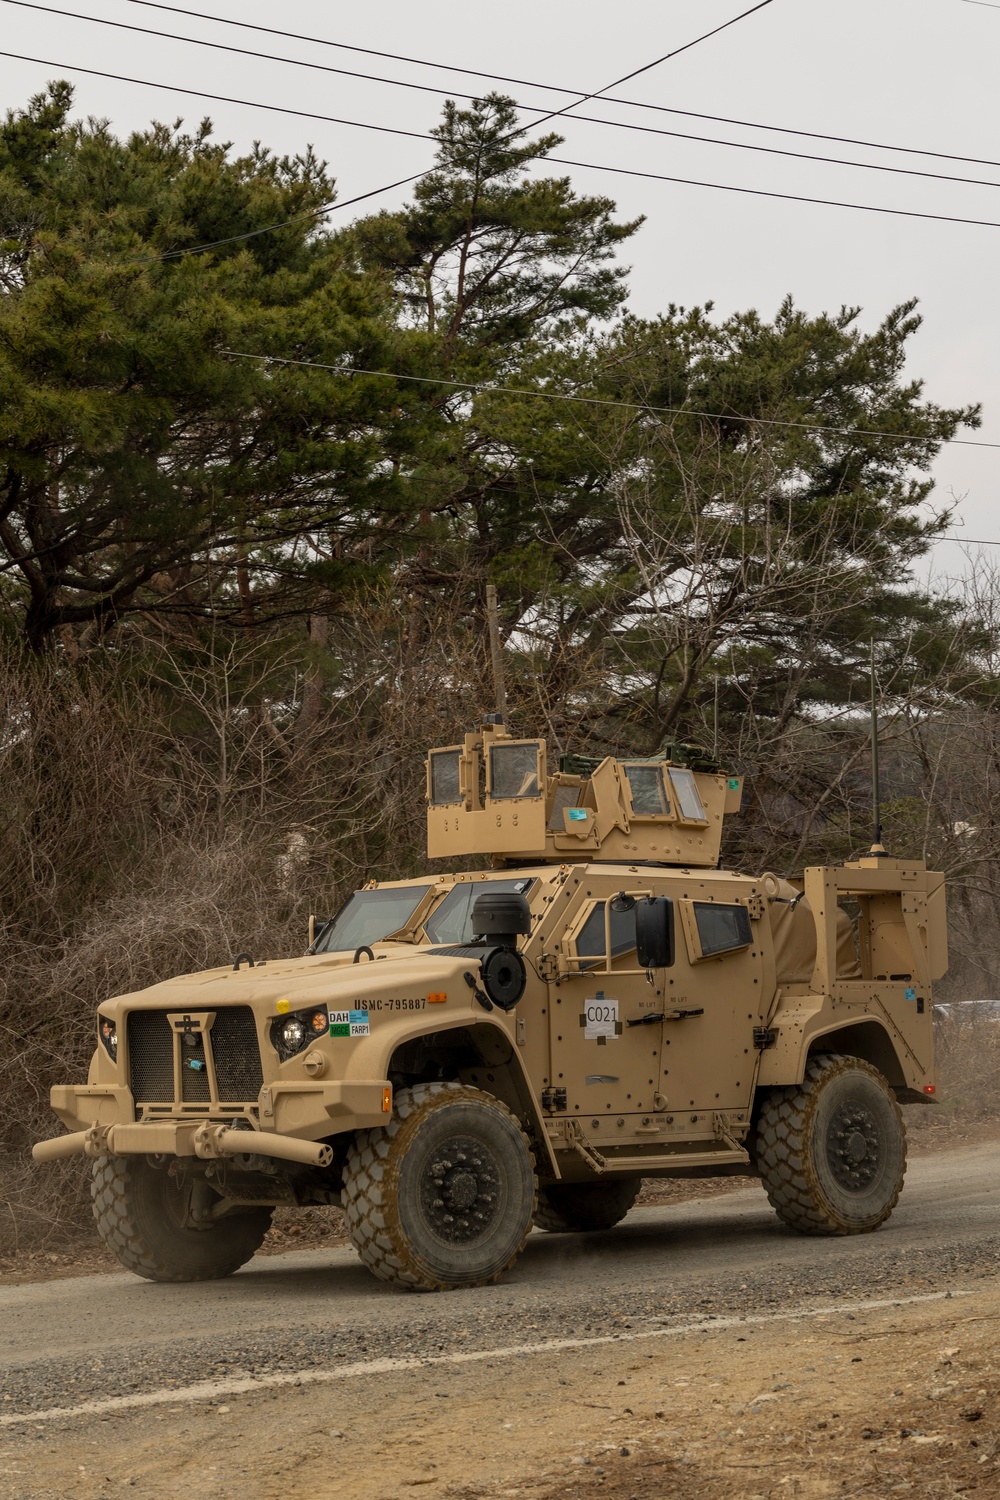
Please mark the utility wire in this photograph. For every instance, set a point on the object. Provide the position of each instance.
(480, 388)
(724, 187)
(177, 88)
(728, 187)
(422, 62)
(426, 88)
(647, 67)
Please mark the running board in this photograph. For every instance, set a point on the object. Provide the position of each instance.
(731, 1156)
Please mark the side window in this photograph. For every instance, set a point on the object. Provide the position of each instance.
(720, 928)
(591, 939)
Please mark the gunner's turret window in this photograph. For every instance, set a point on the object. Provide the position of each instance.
(685, 790)
(649, 795)
(565, 796)
(514, 771)
(445, 776)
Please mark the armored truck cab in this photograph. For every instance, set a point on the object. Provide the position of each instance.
(463, 1055)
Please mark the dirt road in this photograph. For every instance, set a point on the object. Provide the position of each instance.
(699, 1350)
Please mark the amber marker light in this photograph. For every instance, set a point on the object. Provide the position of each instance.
(387, 1101)
(436, 999)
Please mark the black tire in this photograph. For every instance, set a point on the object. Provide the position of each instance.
(832, 1152)
(443, 1196)
(568, 1207)
(142, 1215)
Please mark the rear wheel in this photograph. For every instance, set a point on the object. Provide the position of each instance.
(832, 1152)
(155, 1220)
(577, 1206)
(442, 1196)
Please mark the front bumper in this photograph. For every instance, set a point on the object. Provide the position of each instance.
(169, 1138)
(289, 1122)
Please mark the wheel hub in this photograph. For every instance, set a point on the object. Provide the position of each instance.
(854, 1147)
(460, 1193)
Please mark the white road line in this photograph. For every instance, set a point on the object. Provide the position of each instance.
(205, 1390)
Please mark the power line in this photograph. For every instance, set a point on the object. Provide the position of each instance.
(647, 67)
(177, 88)
(728, 187)
(421, 62)
(434, 89)
(724, 187)
(684, 411)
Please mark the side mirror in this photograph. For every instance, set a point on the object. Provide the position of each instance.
(654, 932)
(317, 927)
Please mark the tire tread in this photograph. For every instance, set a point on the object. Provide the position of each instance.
(786, 1171)
(366, 1194)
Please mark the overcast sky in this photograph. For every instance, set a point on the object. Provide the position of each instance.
(908, 73)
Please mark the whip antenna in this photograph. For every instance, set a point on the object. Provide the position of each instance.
(877, 847)
(496, 650)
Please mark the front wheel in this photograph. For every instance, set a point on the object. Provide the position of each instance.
(443, 1196)
(148, 1216)
(832, 1152)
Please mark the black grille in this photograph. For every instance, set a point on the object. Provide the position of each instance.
(233, 1040)
(150, 1057)
(237, 1054)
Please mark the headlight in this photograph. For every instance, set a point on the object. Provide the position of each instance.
(289, 1034)
(108, 1031)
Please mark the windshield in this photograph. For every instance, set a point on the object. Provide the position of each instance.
(368, 916)
(452, 921)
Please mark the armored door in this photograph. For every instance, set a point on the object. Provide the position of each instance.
(715, 997)
(603, 1067)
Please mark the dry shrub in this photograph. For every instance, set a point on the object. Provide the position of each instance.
(163, 810)
(967, 1047)
(192, 910)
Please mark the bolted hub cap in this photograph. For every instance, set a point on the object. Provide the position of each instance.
(854, 1147)
(461, 1191)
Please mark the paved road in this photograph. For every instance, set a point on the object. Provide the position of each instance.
(113, 1335)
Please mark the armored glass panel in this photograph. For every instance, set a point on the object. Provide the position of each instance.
(686, 793)
(721, 928)
(367, 916)
(514, 771)
(649, 795)
(566, 796)
(445, 779)
(590, 942)
(451, 922)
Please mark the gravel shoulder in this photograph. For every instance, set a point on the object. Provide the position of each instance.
(842, 1401)
(701, 1349)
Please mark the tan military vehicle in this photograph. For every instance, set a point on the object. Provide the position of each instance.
(463, 1055)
